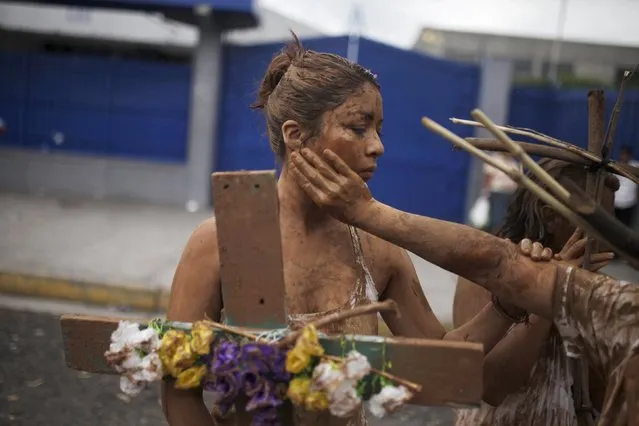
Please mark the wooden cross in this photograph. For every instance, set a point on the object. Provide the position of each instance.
(254, 294)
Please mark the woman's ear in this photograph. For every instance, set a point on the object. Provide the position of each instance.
(292, 135)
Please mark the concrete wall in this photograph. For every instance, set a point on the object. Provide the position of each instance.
(66, 175)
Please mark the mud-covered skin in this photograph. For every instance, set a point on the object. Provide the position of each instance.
(596, 312)
(600, 315)
(538, 388)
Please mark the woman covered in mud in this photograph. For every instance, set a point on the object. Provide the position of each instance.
(538, 385)
(596, 315)
(320, 101)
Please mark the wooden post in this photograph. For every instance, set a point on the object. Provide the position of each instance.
(631, 387)
(250, 246)
(581, 369)
(596, 134)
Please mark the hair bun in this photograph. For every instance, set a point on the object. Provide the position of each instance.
(280, 64)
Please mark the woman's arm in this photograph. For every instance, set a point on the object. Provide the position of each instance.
(514, 356)
(489, 261)
(417, 318)
(195, 293)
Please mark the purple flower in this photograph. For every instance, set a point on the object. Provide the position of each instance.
(266, 417)
(224, 387)
(225, 356)
(251, 382)
(257, 356)
(266, 359)
(278, 367)
(263, 397)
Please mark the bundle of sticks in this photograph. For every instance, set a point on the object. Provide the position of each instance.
(571, 201)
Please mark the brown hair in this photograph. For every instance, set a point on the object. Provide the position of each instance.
(524, 218)
(302, 85)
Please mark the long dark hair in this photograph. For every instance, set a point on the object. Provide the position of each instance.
(524, 218)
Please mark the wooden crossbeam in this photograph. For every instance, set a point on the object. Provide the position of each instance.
(450, 372)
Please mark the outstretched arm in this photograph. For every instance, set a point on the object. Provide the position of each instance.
(491, 262)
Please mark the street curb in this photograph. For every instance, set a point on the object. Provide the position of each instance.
(101, 294)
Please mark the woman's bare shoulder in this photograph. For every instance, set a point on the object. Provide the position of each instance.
(195, 291)
(203, 238)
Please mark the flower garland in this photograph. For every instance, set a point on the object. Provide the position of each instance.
(231, 365)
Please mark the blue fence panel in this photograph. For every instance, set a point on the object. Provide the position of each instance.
(13, 96)
(67, 103)
(419, 172)
(149, 110)
(563, 114)
(95, 105)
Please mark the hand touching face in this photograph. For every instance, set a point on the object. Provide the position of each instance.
(331, 184)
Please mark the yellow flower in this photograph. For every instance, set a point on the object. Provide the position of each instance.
(297, 360)
(308, 342)
(175, 352)
(201, 338)
(191, 377)
(298, 389)
(183, 357)
(316, 401)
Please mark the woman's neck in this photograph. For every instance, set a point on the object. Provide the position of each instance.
(295, 202)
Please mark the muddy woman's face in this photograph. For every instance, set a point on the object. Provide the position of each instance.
(353, 131)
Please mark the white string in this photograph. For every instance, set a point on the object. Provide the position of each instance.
(273, 336)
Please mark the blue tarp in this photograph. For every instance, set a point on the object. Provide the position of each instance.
(563, 114)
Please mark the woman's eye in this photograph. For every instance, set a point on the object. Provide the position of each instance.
(359, 130)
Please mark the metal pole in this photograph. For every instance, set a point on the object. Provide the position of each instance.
(352, 52)
(555, 48)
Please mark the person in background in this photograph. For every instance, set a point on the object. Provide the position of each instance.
(3, 127)
(498, 187)
(537, 390)
(626, 196)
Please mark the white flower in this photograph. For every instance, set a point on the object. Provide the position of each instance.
(132, 353)
(356, 366)
(130, 387)
(389, 399)
(344, 401)
(149, 369)
(327, 376)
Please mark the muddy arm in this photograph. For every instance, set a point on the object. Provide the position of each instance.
(514, 356)
(484, 259)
